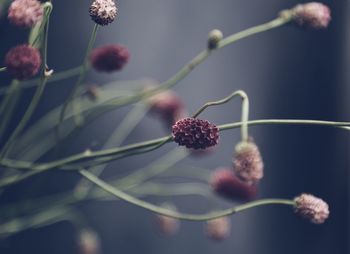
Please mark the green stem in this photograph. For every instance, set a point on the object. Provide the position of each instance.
(163, 211)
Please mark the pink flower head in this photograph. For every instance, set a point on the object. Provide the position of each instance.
(311, 208)
(25, 13)
(88, 242)
(23, 61)
(165, 225)
(315, 15)
(195, 133)
(225, 183)
(103, 12)
(218, 229)
(247, 162)
(109, 58)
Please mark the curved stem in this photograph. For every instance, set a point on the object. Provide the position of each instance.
(163, 211)
(245, 110)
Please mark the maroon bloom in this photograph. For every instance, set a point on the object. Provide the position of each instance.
(226, 184)
(109, 58)
(313, 15)
(25, 13)
(23, 61)
(195, 133)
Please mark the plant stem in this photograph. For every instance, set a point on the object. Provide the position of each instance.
(3, 69)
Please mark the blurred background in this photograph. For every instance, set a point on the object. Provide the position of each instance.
(288, 73)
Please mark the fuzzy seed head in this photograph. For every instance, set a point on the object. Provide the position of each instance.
(195, 133)
(314, 15)
(23, 61)
(109, 58)
(165, 225)
(88, 242)
(311, 208)
(226, 184)
(247, 162)
(214, 37)
(103, 12)
(25, 13)
(218, 229)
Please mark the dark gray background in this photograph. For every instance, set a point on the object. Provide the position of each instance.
(288, 73)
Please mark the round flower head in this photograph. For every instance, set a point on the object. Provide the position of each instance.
(247, 162)
(195, 133)
(311, 208)
(168, 105)
(215, 36)
(103, 12)
(25, 13)
(313, 15)
(109, 58)
(225, 183)
(23, 61)
(88, 242)
(165, 225)
(218, 229)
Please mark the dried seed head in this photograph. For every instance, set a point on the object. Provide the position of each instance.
(103, 12)
(168, 106)
(25, 13)
(195, 133)
(23, 61)
(311, 208)
(214, 37)
(109, 58)
(247, 162)
(165, 225)
(313, 15)
(88, 242)
(218, 229)
(225, 183)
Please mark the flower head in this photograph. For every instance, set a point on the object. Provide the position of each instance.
(195, 133)
(311, 208)
(247, 162)
(25, 13)
(214, 37)
(167, 226)
(225, 183)
(218, 229)
(315, 15)
(109, 58)
(88, 242)
(103, 12)
(23, 61)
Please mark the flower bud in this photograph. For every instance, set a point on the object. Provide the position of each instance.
(311, 208)
(214, 37)
(218, 229)
(88, 242)
(195, 133)
(314, 15)
(25, 13)
(109, 58)
(247, 162)
(165, 225)
(103, 12)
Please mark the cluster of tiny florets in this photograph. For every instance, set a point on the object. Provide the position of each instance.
(23, 61)
(103, 12)
(109, 58)
(25, 13)
(218, 229)
(195, 133)
(226, 184)
(247, 162)
(314, 15)
(311, 208)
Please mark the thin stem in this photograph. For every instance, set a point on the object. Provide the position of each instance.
(163, 211)
(245, 110)
(3, 69)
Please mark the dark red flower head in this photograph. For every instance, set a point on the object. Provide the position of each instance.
(109, 58)
(195, 133)
(23, 61)
(226, 184)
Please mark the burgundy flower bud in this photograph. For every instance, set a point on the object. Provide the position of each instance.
(313, 15)
(247, 162)
(311, 208)
(168, 106)
(195, 133)
(23, 61)
(103, 12)
(109, 58)
(165, 225)
(25, 13)
(88, 242)
(226, 184)
(218, 229)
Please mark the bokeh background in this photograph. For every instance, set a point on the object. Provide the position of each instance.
(288, 73)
